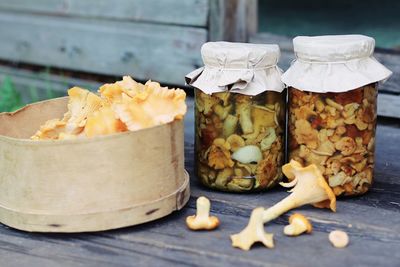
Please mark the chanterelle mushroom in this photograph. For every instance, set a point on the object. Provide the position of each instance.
(254, 232)
(202, 220)
(298, 224)
(309, 187)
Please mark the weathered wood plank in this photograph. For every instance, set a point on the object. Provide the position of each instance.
(188, 12)
(390, 60)
(374, 231)
(388, 105)
(233, 20)
(168, 241)
(145, 51)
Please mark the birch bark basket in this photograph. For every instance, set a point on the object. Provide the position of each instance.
(91, 184)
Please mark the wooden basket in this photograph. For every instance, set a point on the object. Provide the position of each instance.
(91, 184)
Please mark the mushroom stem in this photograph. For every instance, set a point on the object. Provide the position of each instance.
(293, 229)
(310, 187)
(254, 232)
(202, 220)
(298, 224)
(279, 208)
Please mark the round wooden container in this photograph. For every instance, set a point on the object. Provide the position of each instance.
(91, 184)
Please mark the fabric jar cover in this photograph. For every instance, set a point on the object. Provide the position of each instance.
(248, 69)
(334, 63)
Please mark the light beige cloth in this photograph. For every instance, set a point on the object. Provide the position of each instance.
(334, 63)
(248, 69)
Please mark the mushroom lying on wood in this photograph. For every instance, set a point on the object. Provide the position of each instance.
(298, 224)
(202, 220)
(339, 239)
(254, 232)
(309, 187)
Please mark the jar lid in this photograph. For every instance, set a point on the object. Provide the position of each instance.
(333, 47)
(243, 68)
(334, 63)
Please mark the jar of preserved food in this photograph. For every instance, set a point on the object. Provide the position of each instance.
(239, 116)
(332, 108)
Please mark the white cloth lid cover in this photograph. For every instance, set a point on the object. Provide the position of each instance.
(249, 69)
(334, 63)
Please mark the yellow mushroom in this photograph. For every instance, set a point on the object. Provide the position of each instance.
(229, 126)
(243, 110)
(208, 102)
(305, 134)
(81, 103)
(309, 187)
(202, 220)
(219, 156)
(346, 146)
(298, 224)
(333, 104)
(222, 112)
(254, 232)
(262, 118)
(267, 142)
(50, 130)
(235, 141)
(224, 96)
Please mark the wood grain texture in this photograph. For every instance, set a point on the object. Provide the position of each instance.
(134, 177)
(372, 221)
(232, 20)
(187, 12)
(145, 51)
(390, 59)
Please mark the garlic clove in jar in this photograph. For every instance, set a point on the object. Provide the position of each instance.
(247, 154)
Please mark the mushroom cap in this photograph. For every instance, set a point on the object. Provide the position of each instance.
(293, 166)
(195, 223)
(338, 238)
(303, 219)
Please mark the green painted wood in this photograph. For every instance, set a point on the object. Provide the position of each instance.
(145, 51)
(372, 222)
(35, 86)
(187, 12)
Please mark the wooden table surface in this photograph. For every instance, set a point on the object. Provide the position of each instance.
(372, 222)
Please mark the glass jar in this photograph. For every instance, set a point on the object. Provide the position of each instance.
(239, 117)
(336, 131)
(239, 140)
(333, 108)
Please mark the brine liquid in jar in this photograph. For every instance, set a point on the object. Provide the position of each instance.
(335, 131)
(239, 140)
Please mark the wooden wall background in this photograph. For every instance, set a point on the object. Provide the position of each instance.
(147, 39)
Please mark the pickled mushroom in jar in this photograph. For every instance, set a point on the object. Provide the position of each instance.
(239, 140)
(333, 131)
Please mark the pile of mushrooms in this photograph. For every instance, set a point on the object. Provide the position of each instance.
(308, 187)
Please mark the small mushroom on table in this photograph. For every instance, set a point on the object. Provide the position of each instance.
(254, 232)
(202, 220)
(309, 187)
(298, 224)
(339, 239)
